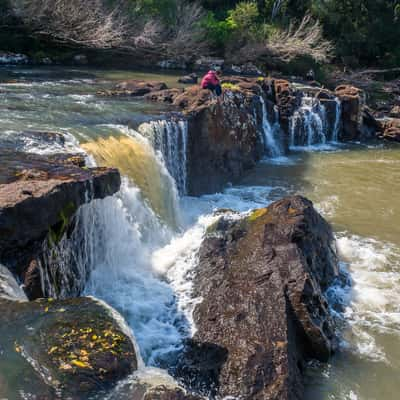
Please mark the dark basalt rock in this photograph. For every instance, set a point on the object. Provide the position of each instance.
(263, 312)
(39, 196)
(134, 88)
(58, 349)
(353, 103)
(224, 137)
(389, 130)
(189, 79)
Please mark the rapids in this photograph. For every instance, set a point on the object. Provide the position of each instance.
(140, 246)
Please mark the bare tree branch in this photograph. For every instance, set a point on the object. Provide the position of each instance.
(305, 39)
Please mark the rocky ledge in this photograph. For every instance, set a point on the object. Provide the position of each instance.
(224, 137)
(63, 348)
(39, 195)
(263, 312)
(389, 129)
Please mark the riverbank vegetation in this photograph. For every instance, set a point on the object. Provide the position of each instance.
(350, 33)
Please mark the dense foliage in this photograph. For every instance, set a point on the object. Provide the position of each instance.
(349, 32)
(363, 31)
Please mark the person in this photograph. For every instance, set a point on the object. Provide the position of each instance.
(211, 82)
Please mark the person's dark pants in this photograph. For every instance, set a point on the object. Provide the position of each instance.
(217, 89)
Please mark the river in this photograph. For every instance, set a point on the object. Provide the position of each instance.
(142, 242)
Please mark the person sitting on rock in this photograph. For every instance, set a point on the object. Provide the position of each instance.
(211, 82)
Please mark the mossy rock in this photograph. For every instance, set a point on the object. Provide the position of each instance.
(76, 346)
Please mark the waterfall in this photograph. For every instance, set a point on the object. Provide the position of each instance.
(124, 249)
(338, 119)
(136, 159)
(272, 147)
(308, 125)
(169, 137)
(315, 122)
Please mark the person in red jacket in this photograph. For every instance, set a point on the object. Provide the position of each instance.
(211, 81)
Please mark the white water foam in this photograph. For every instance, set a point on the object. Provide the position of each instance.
(374, 298)
(272, 146)
(310, 129)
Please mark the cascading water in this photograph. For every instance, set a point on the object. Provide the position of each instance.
(308, 125)
(272, 146)
(170, 138)
(315, 122)
(135, 158)
(338, 121)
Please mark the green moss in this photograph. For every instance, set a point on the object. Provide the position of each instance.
(57, 231)
(230, 86)
(257, 214)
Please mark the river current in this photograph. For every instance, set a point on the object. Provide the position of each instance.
(142, 242)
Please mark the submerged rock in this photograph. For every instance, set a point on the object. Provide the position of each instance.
(263, 313)
(189, 79)
(135, 88)
(74, 347)
(165, 393)
(39, 196)
(13, 58)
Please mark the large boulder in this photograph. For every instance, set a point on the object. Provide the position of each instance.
(390, 129)
(353, 102)
(224, 137)
(261, 280)
(39, 196)
(62, 348)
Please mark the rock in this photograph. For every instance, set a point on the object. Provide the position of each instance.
(286, 99)
(390, 130)
(46, 61)
(166, 393)
(172, 64)
(39, 196)
(206, 63)
(395, 112)
(13, 58)
(75, 347)
(80, 59)
(248, 69)
(224, 139)
(135, 88)
(261, 280)
(353, 102)
(189, 79)
(164, 96)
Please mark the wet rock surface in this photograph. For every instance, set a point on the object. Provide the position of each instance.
(135, 88)
(263, 312)
(59, 349)
(353, 103)
(390, 130)
(224, 136)
(166, 393)
(39, 196)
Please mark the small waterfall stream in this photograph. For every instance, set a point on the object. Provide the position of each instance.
(271, 132)
(169, 137)
(312, 123)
